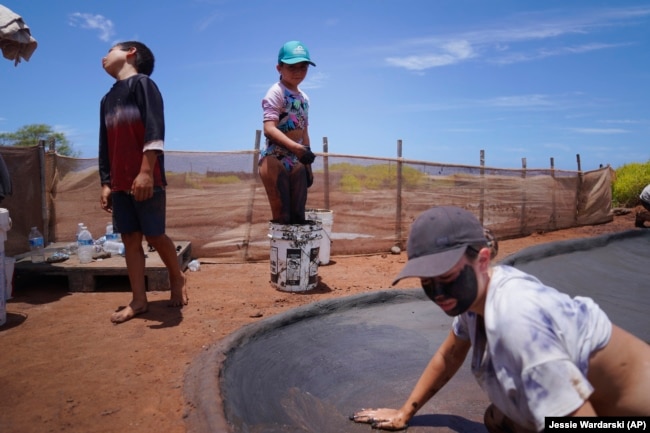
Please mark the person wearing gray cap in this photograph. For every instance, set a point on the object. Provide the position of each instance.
(537, 352)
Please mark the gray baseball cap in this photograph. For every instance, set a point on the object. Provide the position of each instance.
(438, 239)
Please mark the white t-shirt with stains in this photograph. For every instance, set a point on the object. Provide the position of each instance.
(645, 194)
(538, 345)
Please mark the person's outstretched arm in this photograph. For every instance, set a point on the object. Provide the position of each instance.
(442, 367)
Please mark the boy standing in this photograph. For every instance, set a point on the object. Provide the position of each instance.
(131, 169)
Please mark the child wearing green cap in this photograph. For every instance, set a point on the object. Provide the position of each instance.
(285, 164)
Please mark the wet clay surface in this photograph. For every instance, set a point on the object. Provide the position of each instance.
(306, 369)
(66, 368)
(312, 368)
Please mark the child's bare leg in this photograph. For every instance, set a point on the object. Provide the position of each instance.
(135, 262)
(276, 183)
(167, 252)
(298, 192)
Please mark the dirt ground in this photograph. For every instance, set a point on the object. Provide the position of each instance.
(66, 368)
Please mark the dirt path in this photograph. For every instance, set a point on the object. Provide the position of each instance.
(65, 368)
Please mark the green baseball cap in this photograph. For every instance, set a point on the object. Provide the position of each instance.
(294, 52)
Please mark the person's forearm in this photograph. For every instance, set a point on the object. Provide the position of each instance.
(305, 138)
(275, 135)
(432, 380)
(442, 367)
(149, 160)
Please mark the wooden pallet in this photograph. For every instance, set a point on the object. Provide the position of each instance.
(82, 277)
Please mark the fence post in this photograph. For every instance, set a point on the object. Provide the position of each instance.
(326, 173)
(44, 210)
(553, 203)
(251, 194)
(51, 159)
(256, 155)
(398, 212)
(481, 208)
(578, 191)
(522, 225)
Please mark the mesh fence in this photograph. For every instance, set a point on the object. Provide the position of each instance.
(216, 200)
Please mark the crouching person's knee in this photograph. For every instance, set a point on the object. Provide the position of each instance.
(497, 422)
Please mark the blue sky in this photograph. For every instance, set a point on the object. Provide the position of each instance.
(518, 79)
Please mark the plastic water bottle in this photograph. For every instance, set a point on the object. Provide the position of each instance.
(110, 233)
(74, 246)
(114, 247)
(85, 246)
(36, 246)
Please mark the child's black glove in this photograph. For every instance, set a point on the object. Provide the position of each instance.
(308, 157)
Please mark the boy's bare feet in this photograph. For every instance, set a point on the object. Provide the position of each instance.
(179, 292)
(127, 313)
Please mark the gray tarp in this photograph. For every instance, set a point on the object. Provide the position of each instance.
(16, 40)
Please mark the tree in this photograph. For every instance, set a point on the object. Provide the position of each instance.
(30, 135)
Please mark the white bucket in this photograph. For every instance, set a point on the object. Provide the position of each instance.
(294, 255)
(5, 288)
(326, 217)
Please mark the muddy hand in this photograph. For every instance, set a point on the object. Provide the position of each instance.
(307, 156)
(384, 419)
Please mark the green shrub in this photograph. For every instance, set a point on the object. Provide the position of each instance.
(376, 176)
(628, 184)
(223, 180)
(349, 183)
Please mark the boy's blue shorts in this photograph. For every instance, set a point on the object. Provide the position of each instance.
(147, 217)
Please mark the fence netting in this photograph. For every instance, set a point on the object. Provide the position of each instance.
(216, 200)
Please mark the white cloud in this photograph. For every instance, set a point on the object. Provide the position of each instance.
(449, 53)
(533, 100)
(207, 21)
(599, 131)
(314, 80)
(625, 121)
(93, 22)
(518, 39)
(541, 53)
(516, 102)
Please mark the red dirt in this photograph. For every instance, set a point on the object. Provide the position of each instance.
(66, 368)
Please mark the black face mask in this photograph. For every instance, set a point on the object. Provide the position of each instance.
(464, 289)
